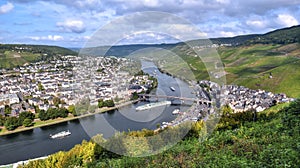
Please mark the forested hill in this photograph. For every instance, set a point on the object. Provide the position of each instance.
(12, 55)
(281, 36)
(122, 50)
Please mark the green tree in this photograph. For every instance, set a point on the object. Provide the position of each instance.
(11, 123)
(134, 96)
(101, 103)
(27, 122)
(62, 112)
(25, 115)
(2, 120)
(109, 103)
(43, 115)
(72, 110)
(7, 110)
(226, 110)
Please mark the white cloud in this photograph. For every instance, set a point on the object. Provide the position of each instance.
(256, 23)
(227, 34)
(6, 8)
(223, 1)
(79, 38)
(87, 3)
(36, 38)
(75, 26)
(49, 37)
(55, 37)
(151, 3)
(287, 20)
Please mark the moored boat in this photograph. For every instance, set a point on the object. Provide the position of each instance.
(60, 134)
(172, 88)
(176, 111)
(152, 105)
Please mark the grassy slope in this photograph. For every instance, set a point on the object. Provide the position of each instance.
(251, 66)
(11, 57)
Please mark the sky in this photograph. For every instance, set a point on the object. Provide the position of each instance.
(71, 23)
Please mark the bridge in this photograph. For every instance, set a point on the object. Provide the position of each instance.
(200, 101)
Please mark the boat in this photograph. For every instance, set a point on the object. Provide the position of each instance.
(60, 134)
(152, 105)
(172, 88)
(164, 123)
(176, 111)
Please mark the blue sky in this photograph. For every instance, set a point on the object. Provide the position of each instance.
(70, 23)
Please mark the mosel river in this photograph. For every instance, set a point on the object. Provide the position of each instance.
(37, 143)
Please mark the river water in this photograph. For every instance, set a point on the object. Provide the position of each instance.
(36, 143)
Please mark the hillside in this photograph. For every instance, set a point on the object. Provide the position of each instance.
(12, 55)
(271, 67)
(271, 139)
(282, 36)
(122, 50)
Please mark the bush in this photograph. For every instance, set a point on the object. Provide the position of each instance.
(11, 123)
(27, 122)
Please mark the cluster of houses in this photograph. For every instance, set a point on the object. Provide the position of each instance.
(240, 98)
(38, 84)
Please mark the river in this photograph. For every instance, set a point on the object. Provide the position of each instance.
(36, 143)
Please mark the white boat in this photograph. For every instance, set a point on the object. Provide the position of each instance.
(152, 105)
(172, 88)
(164, 123)
(176, 111)
(60, 134)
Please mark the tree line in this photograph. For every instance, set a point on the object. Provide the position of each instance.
(25, 119)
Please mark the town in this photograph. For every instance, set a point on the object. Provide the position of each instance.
(43, 86)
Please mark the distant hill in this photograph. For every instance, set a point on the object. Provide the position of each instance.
(280, 36)
(12, 55)
(122, 50)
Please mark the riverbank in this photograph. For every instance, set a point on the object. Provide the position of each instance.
(20, 163)
(70, 118)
